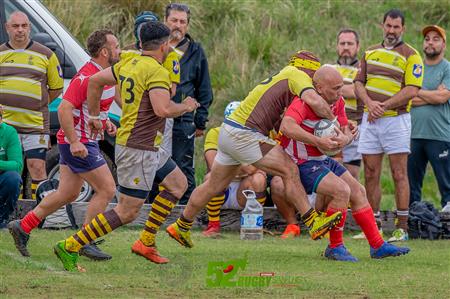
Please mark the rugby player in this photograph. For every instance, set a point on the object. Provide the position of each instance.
(243, 139)
(80, 156)
(326, 176)
(145, 92)
(249, 177)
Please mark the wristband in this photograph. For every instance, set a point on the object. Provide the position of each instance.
(93, 117)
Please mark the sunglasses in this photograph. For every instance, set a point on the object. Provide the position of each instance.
(178, 6)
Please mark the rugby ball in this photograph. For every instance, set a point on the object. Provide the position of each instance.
(325, 128)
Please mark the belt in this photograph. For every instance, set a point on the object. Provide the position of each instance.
(237, 125)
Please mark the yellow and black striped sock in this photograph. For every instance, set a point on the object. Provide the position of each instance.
(161, 208)
(213, 207)
(261, 197)
(184, 224)
(101, 225)
(34, 184)
(21, 192)
(308, 217)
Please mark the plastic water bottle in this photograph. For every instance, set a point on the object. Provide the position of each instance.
(251, 218)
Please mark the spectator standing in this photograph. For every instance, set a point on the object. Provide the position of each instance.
(390, 77)
(430, 117)
(195, 83)
(30, 78)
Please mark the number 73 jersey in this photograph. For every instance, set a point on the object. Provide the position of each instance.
(140, 127)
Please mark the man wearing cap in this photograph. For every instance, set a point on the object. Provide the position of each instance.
(430, 117)
(244, 140)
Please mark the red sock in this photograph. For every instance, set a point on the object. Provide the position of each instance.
(29, 222)
(365, 219)
(337, 233)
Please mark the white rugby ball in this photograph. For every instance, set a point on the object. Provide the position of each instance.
(325, 128)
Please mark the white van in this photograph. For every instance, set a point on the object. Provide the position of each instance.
(47, 30)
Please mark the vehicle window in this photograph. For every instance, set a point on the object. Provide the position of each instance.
(11, 7)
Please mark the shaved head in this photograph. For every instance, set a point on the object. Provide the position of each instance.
(326, 74)
(18, 16)
(18, 28)
(328, 83)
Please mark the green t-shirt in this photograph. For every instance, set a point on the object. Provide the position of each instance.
(433, 121)
(10, 149)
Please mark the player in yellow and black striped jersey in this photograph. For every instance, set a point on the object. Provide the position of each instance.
(390, 77)
(243, 140)
(30, 78)
(348, 65)
(168, 176)
(144, 87)
(249, 177)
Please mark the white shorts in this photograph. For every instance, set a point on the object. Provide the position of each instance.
(350, 152)
(34, 141)
(389, 135)
(240, 146)
(231, 201)
(136, 168)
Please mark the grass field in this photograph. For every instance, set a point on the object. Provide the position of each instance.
(300, 270)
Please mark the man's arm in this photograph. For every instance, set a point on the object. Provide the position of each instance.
(292, 130)
(402, 97)
(317, 103)
(14, 154)
(65, 117)
(210, 155)
(117, 97)
(53, 94)
(435, 97)
(164, 107)
(375, 108)
(348, 91)
(203, 92)
(95, 89)
(416, 101)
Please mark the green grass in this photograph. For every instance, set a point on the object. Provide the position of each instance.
(247, 40)
(424, 273)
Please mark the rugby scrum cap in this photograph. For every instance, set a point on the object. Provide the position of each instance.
(140, 19)
(306, 61)
(439, 30)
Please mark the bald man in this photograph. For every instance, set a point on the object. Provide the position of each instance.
(30, 79)
(325, 176)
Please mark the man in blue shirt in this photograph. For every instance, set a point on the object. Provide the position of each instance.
(430, 116)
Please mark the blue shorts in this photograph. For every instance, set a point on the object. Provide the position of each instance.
(312, 172)
(93, 160)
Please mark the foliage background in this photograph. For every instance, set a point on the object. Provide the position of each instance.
(247, 40)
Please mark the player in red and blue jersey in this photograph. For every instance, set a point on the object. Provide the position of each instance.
(80, 156)
(323, 175)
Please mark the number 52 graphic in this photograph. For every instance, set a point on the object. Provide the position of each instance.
(223, 273)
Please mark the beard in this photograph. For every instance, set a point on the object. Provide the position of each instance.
(176, 35)
(346, 60)
(432, 54)
(391, 40)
